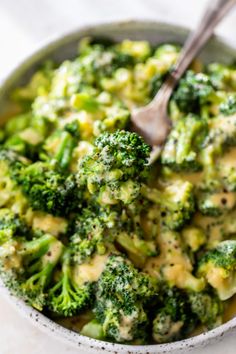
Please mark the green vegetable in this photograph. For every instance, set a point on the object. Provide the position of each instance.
(116, 167)
(181, 151)
(173, 319)
(218, 266)
(137, 253)
(193, 91)
(122, 295)
(31, 265)
(176, 203)
(69, 295)
(48, 190)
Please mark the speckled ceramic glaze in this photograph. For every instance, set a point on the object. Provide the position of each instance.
(66, 47)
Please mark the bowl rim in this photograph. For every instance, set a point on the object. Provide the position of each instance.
(44, 323)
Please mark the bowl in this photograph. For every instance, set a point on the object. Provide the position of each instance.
(66, 47)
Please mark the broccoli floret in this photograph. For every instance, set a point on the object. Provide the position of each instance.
(69, 296)
(222, 132)
(193, 91)
(218, 266)
(215, 204)
(99, 60)
(94, 231)
(48, 189)
(93, 329)
(21, 145)
(207, 307)
(228, 107)
(59, 146)
(25, 133)
(11, 225)
(167, 52)
(11, 196)
(116, 167)
(136, 246)
(138, 50)
(117, 117)
(38, 84)
(226, 171)
(17, 124)
(27, 266)
(176, 203)
(122, 294)
(175, 319)
(184, 143)
(222, 76)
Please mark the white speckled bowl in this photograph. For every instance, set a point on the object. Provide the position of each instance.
(66, 47)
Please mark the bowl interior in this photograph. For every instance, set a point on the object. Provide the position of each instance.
(66, 48)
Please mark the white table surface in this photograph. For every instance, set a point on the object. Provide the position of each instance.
(23, 25)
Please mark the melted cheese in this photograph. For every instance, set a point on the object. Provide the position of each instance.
(229, 158)
(46, 222)
(171, 254)
(91, 271)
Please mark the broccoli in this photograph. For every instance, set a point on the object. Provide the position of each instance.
(228, 107)
(136, 246)
(218, 266)
(48, 190)
(222, 132)
(93, 329)
(207, 307)
(11, 196)
(115, 169)
(103, 61)
(221, 136)
(222, 76)
(176, 203)
(27, 266)
(25, 133)
(69, 296)
(167, 52)
(226, 171)
(174, 318)
(137, 50)
(11, 225)
(193, 91)
(59, 146)
(139, 252)
(117, 117)
(215, 204)
(17, 124)
(94, 232)
(38, 84)
(182, 148)
(121, 299)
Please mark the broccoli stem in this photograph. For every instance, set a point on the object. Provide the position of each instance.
(37, 247)
(93, 329)
(65, 149)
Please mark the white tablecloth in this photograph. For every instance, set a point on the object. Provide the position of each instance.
(23, 25)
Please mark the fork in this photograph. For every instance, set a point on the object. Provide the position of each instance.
(152, 121)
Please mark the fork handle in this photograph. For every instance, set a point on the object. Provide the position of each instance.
(214, 13)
